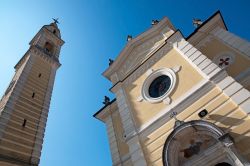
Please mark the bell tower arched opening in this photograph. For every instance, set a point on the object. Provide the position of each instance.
(48, 47)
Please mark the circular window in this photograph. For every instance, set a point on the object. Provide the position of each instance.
(158, 85)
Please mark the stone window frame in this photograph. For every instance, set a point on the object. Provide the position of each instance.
(151, 76)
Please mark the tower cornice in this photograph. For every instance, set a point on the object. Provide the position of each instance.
(37, 51)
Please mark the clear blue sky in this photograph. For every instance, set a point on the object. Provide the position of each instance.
(93, 31)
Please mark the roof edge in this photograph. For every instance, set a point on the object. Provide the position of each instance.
(105, 106)
(205, 22)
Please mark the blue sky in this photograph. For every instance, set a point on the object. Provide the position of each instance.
(93, 31)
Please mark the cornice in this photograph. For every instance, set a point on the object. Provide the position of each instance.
(152, 32)
(106, 110)
(216, 20)
(35, 50)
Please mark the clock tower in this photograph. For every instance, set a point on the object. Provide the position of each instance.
(25, 104)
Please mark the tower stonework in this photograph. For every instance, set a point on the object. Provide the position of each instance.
(180, 101)
(25, 104)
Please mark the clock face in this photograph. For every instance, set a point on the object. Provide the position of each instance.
(159, 86)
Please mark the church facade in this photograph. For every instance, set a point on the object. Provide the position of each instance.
(25, 104)
(180, 101)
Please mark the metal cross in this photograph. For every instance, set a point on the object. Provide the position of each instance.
(224, 61)
(173, 115)
(56, 20)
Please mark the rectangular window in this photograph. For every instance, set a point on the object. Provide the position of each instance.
(33, 95)
(24, 122)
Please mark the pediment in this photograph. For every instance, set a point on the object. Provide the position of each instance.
(138, 50)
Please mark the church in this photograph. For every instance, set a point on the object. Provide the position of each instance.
(25, 104)
(180, 101)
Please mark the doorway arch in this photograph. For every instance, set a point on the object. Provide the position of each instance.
(197, 143)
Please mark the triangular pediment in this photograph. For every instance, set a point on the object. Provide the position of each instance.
(138, 49)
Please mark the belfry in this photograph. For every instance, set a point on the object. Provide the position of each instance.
(180, 101)
(25, 104)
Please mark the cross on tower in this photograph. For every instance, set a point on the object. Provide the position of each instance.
(173, 115)
(56, 20)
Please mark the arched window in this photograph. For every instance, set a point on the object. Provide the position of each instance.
(48, 47)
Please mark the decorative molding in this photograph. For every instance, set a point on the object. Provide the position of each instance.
(142, 69)
(176, 106)
(149, 71)
(112, 140)
(162, 51)
(232, 40)
(171, 73)
(206, 67)
(243, 75)
(136, 152)
(213, 153)
(236, 92)
(139, 48)
(212, 72)
(130, 132)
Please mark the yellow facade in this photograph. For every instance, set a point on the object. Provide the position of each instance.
(210, 73)
(143, 111)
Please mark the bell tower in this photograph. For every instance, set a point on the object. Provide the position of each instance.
(25, 104)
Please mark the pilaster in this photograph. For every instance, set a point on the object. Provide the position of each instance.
(116, 160)
(130, 135)
(212, 72)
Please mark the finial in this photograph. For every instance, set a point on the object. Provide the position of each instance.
(177, 122)
(154, 22)
(56, 20)
(129, 37)
(111, 61)
(197, 22)
(106, 100)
